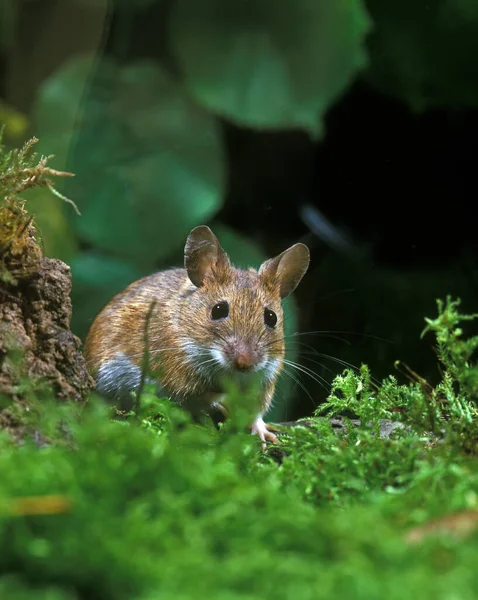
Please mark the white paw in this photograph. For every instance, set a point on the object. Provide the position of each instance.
(264, 431)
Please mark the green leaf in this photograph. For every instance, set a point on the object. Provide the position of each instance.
(149, 163)
(267, 64)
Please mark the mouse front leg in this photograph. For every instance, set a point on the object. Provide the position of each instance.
(259, 427)
(264, 431)
(219, 403)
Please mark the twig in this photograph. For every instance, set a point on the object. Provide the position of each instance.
(64, 198)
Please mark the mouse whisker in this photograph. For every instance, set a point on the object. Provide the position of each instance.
(329, 333)
(278, 343)
(341, 362)
(307, 371)
(291, 339)
(316, 362)
(297, 380)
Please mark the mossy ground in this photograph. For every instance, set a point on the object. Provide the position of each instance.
(155, 506)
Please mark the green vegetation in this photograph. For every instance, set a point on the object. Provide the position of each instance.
(21, 170)
(155, 506)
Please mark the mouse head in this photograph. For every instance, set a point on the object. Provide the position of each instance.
(232, 318)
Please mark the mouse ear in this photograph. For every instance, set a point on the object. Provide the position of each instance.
(287, 269)
(202, 253)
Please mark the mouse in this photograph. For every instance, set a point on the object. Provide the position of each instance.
(200, 325)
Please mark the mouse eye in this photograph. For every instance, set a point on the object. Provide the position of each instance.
(270, 318)
(220, 311)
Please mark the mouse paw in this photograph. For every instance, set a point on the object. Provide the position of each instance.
(221, 408)
(264, 431)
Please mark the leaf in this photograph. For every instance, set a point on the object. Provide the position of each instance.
(149, 162)
(58, 106)
(267, 64)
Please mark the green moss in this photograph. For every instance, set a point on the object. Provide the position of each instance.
(156, 506)
(21, 170)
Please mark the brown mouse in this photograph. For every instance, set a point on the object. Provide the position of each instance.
(207, 322)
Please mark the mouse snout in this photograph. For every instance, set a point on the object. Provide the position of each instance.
(242, 355)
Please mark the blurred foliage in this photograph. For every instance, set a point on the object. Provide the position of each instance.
(97, 278)
(15, 123)
(424, 52)
(156, 506)
(266, 64)
(149, 162)
(8, 18)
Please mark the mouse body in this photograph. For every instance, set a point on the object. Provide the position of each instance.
(206, 322)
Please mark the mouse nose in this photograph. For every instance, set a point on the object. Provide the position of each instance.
(243, 356)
